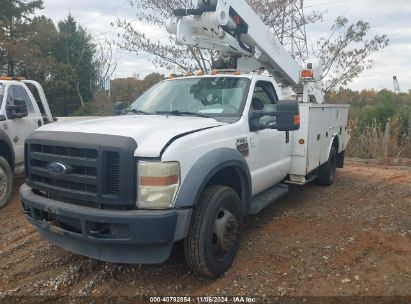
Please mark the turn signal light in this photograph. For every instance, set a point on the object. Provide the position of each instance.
(158, 181)
(297, 120)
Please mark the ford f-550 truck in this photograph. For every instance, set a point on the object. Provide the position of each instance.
(191, 158)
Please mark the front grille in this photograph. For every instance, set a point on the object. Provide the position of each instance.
(98, 176)
(82, 175)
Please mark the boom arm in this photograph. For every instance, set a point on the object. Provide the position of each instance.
(235, 30)
(260, 49)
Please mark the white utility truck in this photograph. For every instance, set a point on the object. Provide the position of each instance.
(20, 116)
(193, 156)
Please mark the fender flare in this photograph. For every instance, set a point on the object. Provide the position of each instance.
(4, 137)
(205, 168)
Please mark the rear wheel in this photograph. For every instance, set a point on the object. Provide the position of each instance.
(326, 172)
(215, 231)
(6, 182)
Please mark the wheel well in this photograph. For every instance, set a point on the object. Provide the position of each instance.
(230, 177)
(5, 151)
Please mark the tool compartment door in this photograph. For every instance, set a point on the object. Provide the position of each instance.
(325, 123)
(317, 125)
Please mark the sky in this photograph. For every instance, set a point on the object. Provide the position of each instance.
(385, 17)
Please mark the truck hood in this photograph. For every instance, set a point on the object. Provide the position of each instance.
(151, 133)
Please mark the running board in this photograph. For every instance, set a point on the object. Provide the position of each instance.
(265, 199)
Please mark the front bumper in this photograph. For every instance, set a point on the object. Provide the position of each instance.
(131, 237)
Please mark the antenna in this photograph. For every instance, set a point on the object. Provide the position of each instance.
(397, 88)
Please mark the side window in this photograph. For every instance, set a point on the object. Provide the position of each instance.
(264, 96)
(17, 92)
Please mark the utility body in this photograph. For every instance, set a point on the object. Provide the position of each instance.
(20, 115)
(192, 157)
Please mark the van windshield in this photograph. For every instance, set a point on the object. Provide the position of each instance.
(2, 88)
(221, 98)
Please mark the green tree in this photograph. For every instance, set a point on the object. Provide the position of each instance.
(64, 59)
(129, 89)
(15, 20)
(75, 51)
(37, 60)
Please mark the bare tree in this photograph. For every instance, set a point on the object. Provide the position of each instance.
(105, 64)
(345, 52)
(166, 54)
(287, 20)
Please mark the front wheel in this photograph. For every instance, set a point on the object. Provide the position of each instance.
(215, 231)
(6, 182)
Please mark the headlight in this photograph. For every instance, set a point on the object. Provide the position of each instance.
(158, 183)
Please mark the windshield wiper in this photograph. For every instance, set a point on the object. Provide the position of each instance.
(182, 113)
(137, 112)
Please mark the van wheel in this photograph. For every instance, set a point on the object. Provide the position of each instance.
(326, 172)
(6, 182)
(215, 232)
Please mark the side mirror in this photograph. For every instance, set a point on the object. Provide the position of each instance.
(119, 108)
(288, 118)
(18, 110)
(285, 118)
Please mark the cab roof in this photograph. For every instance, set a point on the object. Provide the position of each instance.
(11, 82)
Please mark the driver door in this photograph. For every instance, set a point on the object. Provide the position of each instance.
(20, 129)
(270, 159)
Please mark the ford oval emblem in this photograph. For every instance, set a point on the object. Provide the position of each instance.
(57, 168)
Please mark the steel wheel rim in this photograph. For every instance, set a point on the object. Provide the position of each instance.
(3, 183)
(225, 233)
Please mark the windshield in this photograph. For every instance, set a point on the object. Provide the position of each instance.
(2, 88)
(214, 97)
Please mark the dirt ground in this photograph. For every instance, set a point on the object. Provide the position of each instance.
(353, 238)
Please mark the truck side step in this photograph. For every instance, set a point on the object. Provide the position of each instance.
(265, 199)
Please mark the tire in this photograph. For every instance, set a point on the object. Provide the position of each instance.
(215, 232)
(6, 182)
(326, 172)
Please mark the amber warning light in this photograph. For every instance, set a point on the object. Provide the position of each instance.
(307, 74)
(12, 78)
